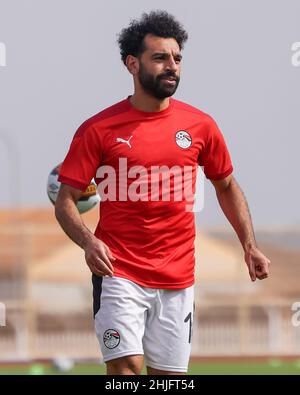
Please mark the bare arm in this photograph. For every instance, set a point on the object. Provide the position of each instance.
(97, 254)
(234, 205)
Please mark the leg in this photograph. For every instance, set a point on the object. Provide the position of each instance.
(120, 313)
(129, 365)
(157, 372)
(168, 333)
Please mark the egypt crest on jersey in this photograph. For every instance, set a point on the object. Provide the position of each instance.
(183, 139)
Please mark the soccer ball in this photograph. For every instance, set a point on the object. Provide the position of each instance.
(62, 364)
(89, 199)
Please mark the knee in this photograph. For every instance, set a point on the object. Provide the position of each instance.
(129, 365)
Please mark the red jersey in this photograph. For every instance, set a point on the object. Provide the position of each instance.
(148, 226)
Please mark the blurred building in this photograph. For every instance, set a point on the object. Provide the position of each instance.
(46, 287)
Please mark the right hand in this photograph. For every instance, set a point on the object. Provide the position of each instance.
(99, 257)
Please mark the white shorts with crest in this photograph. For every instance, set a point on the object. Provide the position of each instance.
(134, 320)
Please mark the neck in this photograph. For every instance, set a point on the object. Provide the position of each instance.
(144, 102)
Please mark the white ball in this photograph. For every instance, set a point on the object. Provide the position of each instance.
(63, 364)
(89, 199)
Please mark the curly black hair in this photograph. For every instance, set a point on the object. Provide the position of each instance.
(159, 23)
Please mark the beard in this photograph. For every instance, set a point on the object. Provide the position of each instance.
(155, 86)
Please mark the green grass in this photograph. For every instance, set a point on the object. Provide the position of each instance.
(266, 368)
(271, 367)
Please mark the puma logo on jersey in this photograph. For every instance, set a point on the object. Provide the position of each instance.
(120, 140)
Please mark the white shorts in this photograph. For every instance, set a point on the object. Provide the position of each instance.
(131, 320)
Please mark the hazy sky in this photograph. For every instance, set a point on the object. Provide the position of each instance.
(63, 65)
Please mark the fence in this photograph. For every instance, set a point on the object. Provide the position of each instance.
(222, 338)
(221, 328)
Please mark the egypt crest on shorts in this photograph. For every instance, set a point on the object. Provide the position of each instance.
(111, 338)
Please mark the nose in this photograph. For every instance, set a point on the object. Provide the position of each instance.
(171, 65)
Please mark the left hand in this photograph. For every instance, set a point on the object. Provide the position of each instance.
(258, 264)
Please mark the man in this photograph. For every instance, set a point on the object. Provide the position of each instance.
(142, 252)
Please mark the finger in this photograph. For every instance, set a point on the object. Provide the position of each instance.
(252, 270)
(267, 264)
(262, 277)
(107, 261)
(108, 252)
(110, 255)
(102, 266)
(96, 271)
(96, 262)
(261, 270)
(104, 256)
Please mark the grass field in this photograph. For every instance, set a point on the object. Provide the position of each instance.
(271, 367)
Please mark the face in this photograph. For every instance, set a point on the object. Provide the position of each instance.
(159, 66)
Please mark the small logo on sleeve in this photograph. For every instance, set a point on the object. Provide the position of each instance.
(183, 139)
(111, 338)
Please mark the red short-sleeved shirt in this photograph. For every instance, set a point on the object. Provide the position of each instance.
(150, 233)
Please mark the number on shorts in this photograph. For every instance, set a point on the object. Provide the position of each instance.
(189, 318)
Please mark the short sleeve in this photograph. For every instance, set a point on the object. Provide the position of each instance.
(215, 157)
(83, 158)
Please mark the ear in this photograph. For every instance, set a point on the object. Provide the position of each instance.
(132, 64)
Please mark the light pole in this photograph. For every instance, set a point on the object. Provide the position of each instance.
(14, 167)
(14, 189)
(19, 289)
